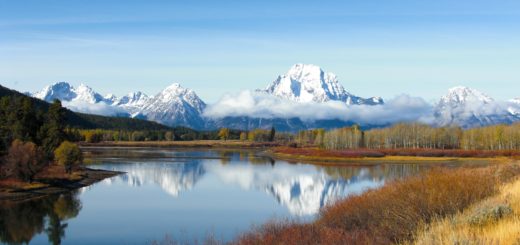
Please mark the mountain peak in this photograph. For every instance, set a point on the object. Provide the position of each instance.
(87, 94)
(309, 83)
(59, 90)
(174, 85)
(467, 107)
(60, 84)
(309, 70)
(110, 98)
(175, 105)
(84, 88)
(461, 94)
(175, 90)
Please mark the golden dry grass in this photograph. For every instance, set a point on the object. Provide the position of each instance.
(494, 229)
(391, 214)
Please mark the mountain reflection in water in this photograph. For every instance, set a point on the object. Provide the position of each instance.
(167, 190)
(303, 189)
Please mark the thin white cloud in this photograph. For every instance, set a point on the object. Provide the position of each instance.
(259, 105)
(96, 109)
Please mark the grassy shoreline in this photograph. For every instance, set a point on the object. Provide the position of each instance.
(363, 156)
(320, 160)
(313, 155)
(51, 183)
(185, 144)
(410, 210)
(495, 220)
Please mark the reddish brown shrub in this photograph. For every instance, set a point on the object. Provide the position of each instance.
(23, 160)
(290, 233)
(420, 152)
(395, 210)
(392, 213)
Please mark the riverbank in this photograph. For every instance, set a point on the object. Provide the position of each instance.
(185, 144)
(314, 155)
(495, 220)
(367, 156)
(395, 213)
(51, 181)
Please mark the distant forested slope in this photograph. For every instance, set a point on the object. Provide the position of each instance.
(86, 121)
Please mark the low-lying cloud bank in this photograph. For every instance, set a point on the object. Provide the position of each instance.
(402, 108)
(100, 108)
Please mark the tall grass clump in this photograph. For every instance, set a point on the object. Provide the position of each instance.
(390, 214)
(495, 220)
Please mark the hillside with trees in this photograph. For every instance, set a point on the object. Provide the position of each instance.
(87, 121)
(34, 141)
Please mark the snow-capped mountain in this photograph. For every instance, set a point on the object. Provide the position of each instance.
(514, 107)
(65, 92)
(134, 102)
(309, 83)
(87, 94)
(463, 95)
(303, 83)
(302, 87)
(60, 90)
(175, 106)
(110, 98)
(467, 107)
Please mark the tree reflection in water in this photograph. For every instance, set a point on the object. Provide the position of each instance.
(21, 221)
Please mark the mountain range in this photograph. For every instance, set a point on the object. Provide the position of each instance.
(89, 121)
(303, 86)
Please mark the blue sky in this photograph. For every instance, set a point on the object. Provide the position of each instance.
(377, 48)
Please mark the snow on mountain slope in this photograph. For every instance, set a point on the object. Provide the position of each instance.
(285, 105)
(462, 95)
(81, 99)
(133, 102)
(514, 107)
(468, 108)
(87, 94)
(66, 92)
(110, 98)
(60, 90)
(309, 83)
(175, 105)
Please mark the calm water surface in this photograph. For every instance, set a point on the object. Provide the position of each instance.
(186, 194)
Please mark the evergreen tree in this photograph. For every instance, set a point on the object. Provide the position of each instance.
(52, 132)
(5, 130)
(272, 134)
